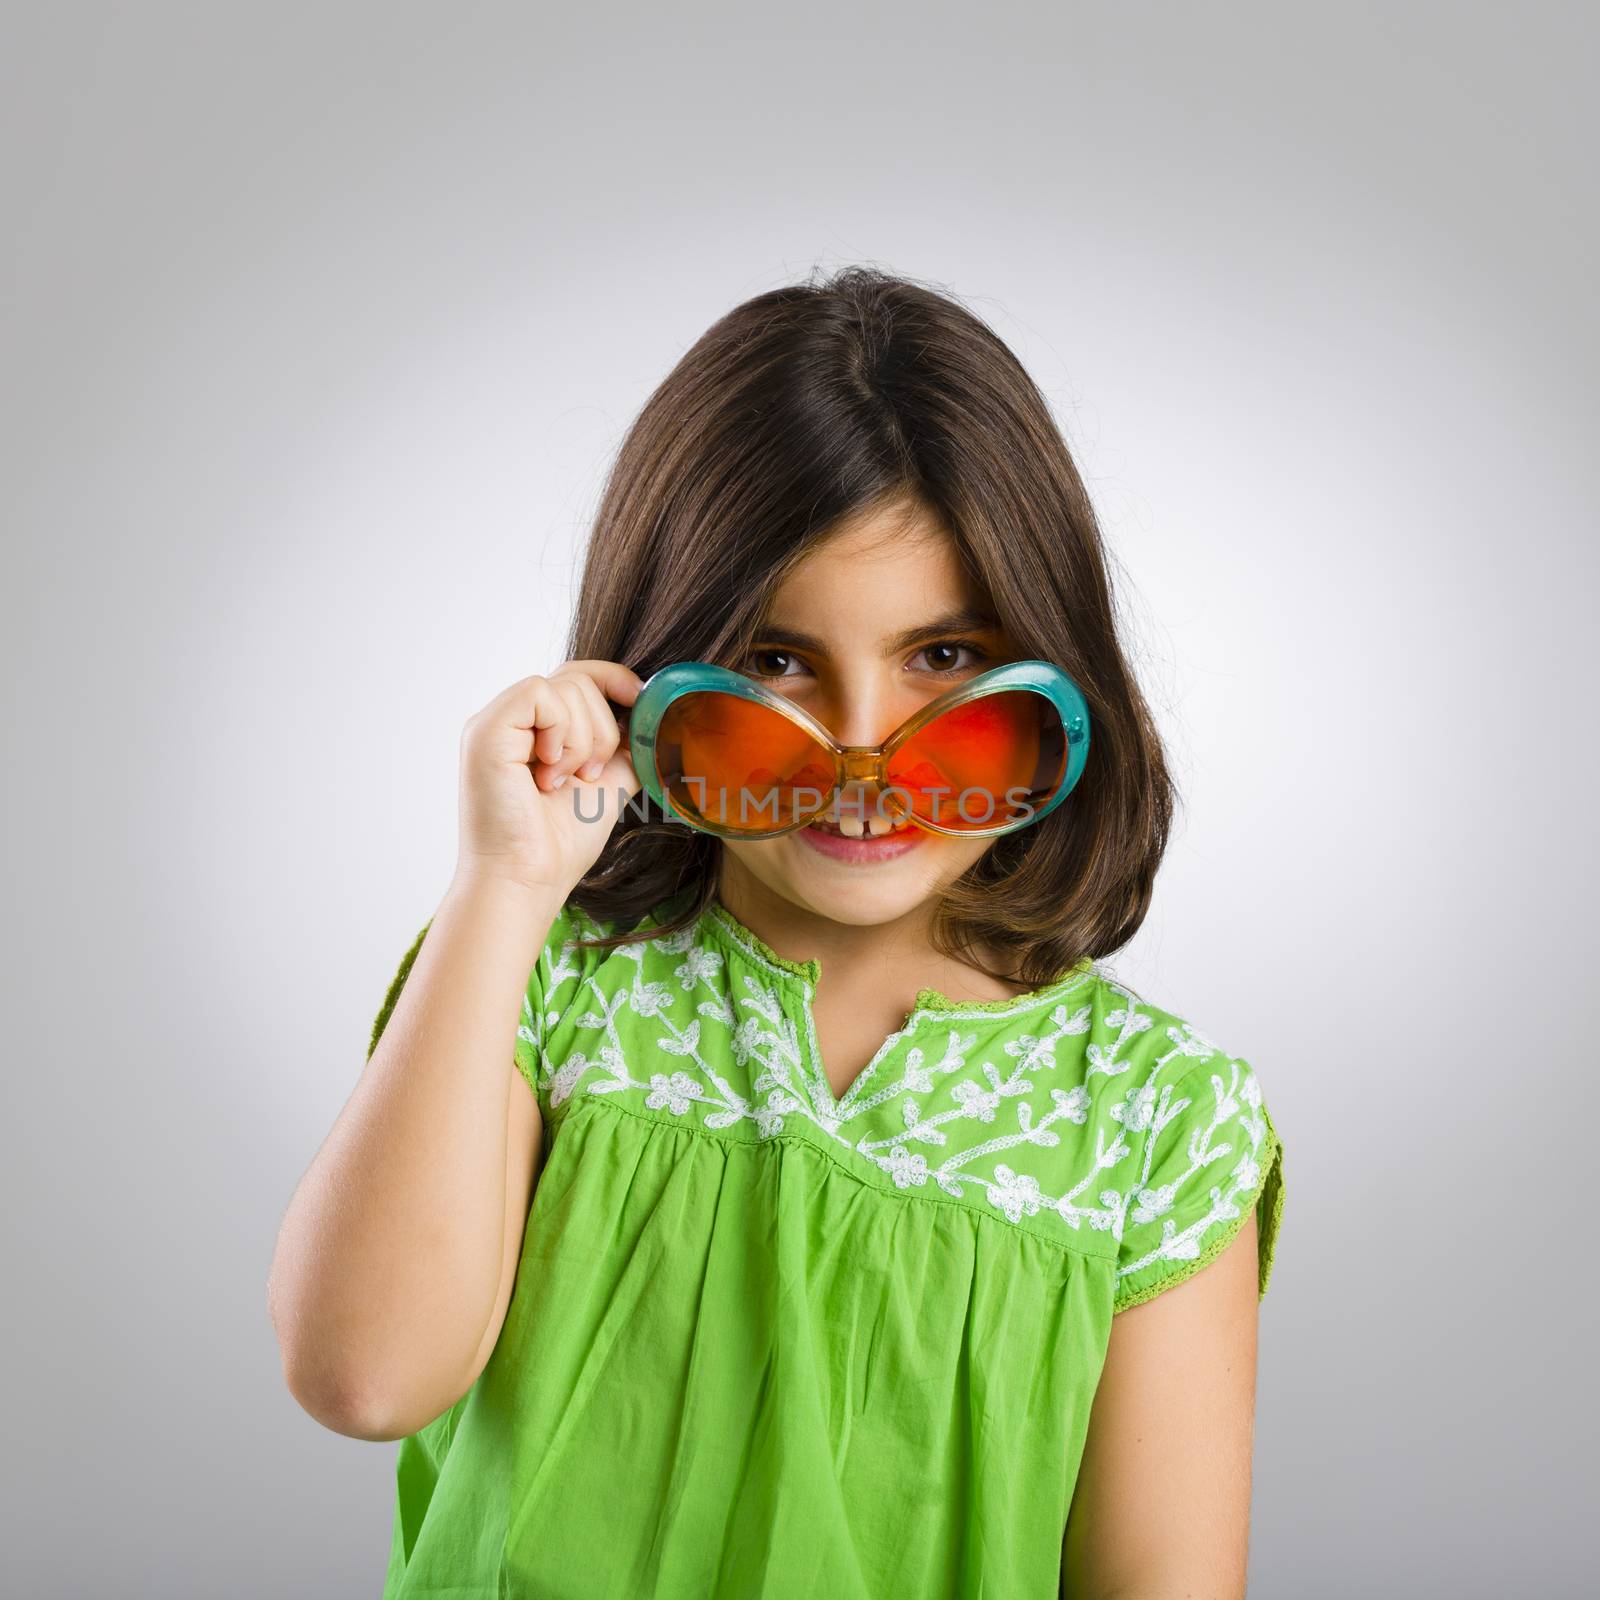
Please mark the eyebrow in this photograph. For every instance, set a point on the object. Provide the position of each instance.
(964, 619)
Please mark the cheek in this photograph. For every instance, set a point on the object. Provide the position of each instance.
(969, 851)
(944, 858)
(760, 859)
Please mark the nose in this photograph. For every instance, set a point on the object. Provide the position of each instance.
(863, 714)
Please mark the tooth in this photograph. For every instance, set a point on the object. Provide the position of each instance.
(850, 826)
(881, 825)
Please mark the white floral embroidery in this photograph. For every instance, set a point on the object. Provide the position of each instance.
(700, 964)
(1016, 1193)
(1154, 1203)
(975, 1101)
(1074, 1103)
(906, 1167)
(674, 1093)
(1137, 1108)
(649, 999)
(1183, 1244)
(754, 1068)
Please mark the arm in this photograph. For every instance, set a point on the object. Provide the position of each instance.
(394, 1262)
(1162, 1505)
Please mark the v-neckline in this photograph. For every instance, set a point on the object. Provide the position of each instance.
(834, 1104)
(806, 975)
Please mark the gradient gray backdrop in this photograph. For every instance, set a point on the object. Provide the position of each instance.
(321, 323)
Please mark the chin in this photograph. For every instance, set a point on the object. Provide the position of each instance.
(857, 895)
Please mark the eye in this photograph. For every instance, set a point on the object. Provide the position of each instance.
(943, 649)
(758, 662)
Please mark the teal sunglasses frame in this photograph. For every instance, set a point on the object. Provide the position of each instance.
(869, 763)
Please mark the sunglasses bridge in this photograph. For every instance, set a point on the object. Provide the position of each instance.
(858, 761)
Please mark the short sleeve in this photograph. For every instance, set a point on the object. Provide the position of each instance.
(396, 984)
(557, 964)
(1210, 1154)
(553, 985)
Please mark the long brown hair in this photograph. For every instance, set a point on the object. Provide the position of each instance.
(813, 403)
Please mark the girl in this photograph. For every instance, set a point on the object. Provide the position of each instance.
(810, 1213)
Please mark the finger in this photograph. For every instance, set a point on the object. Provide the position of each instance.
(526, 721)
(529, 703)
(615, 681)
(579, 737)
(604, 732)
(619, 773)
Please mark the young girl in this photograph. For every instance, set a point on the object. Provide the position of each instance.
(808, 1214)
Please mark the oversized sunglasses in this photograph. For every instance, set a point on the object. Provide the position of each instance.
(729, 756)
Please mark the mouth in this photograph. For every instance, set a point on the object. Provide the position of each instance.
(859, 840)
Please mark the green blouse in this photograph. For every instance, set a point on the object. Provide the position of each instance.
(768, 1342)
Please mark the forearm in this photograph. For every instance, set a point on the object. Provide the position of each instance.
(389, 1259)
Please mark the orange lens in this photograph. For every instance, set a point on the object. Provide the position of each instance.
(986, 764)
(740, 766)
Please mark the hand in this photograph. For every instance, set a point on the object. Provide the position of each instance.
(531, 763)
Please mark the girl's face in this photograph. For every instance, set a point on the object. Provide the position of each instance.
(873, 624)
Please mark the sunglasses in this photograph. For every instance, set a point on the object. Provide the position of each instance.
(731, 757)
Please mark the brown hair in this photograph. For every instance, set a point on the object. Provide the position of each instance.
(800, 408)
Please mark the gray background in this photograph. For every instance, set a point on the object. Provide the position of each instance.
(320, 325)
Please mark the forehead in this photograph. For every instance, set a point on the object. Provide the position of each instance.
(874, 574)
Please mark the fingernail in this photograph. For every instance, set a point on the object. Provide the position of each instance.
(591, 769)
(559, 781)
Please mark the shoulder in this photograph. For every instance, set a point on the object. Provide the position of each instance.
(581, 983)
(566, 962)
(1186, 1129)
(1137, 1049)
(576, 952)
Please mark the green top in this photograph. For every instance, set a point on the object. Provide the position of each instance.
(763, 1341)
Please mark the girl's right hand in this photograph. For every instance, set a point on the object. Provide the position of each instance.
(517, 821)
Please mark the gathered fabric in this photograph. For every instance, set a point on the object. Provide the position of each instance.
(769, 1341)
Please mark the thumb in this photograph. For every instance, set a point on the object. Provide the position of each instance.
(618, 772)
